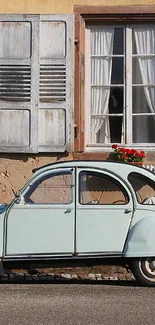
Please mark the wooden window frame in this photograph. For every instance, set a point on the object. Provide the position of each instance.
(97, 15)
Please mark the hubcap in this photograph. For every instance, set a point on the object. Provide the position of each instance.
(147, 268)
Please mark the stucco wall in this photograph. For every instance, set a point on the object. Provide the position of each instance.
(16, 169)
(60, 6)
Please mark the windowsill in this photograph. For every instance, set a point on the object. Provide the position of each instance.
(104, 154)
(103, 149)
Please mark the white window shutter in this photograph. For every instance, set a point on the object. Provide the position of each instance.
(17, 100)
(36, 83)
(56, 83)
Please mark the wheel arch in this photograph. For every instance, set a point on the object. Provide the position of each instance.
(141, 239)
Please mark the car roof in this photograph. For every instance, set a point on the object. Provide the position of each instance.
(117, 167)
(74, 163)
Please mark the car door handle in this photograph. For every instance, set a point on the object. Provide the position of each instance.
(68, 210)
(127, 211)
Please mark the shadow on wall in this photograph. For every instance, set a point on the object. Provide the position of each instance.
(26, 156)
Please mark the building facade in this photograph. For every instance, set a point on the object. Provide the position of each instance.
(76, 76)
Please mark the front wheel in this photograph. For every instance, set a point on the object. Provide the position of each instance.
(144, 271)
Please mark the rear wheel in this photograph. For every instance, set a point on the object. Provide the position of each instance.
(144, 271)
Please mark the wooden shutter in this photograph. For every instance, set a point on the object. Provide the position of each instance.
(18, 102)
(36, 83)
(56, 83)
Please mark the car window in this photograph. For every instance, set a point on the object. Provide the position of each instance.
(97, 188)
(144, 188)
(51, 189)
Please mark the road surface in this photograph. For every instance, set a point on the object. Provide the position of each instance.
(77, 304)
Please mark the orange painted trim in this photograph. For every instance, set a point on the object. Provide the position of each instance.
(95, 10)
(79, 82)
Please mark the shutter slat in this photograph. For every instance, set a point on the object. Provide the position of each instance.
(55, 76)
(15, 82)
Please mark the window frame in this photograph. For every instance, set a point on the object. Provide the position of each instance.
(111, 178)
(112, 15)
(143, 177)
(44, 176)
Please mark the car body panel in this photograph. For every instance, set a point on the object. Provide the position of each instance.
(40, 230)
(141, 239)
(3, 209)
(98, 227)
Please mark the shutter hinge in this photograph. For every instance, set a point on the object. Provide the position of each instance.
(76, 41)
(75, 131)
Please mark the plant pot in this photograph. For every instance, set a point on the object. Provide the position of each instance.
(138, 163)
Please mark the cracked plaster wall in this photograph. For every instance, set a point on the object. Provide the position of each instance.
(15, 171)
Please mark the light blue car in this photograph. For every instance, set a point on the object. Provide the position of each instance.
(82, 213)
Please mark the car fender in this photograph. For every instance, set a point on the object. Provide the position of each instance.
(141, 239)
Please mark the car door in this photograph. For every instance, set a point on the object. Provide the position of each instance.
(103, 212)
(42, 223)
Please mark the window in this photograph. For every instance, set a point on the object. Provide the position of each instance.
(51, 189)
(96, 188)
(143, 187)
(36, 83)
(120, 85)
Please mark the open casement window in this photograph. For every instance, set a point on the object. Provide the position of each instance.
(36, 83)
(120, 85)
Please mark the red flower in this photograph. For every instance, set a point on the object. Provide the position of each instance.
(124, 157)
(133, 151)
(138, 154)
(128, 151)
(122, 150)
(142, 154)
(115, 146)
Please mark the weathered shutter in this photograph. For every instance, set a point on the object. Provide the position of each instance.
(18, 98)
(36, 83)
(56, 83)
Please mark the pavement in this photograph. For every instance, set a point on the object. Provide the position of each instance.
(72, 274)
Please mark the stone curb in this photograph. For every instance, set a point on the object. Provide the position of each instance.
(65, 276)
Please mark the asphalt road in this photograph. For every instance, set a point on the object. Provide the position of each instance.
(78, 304)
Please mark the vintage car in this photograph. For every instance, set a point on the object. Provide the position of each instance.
(78, 213)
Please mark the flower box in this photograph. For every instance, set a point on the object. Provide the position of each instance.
(127, 155)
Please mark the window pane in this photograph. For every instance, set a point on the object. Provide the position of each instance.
(143, 71)
(116, 107)
(51, 189)
(142, 186)
(117, 71)
(141, 97)
(101, 39)
(96, 188)
(100, 69)
(143, 40)
(109, 127)
(136, 75)
(143, 129)
(118, 47)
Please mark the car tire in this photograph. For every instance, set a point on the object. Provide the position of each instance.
(144, 271)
